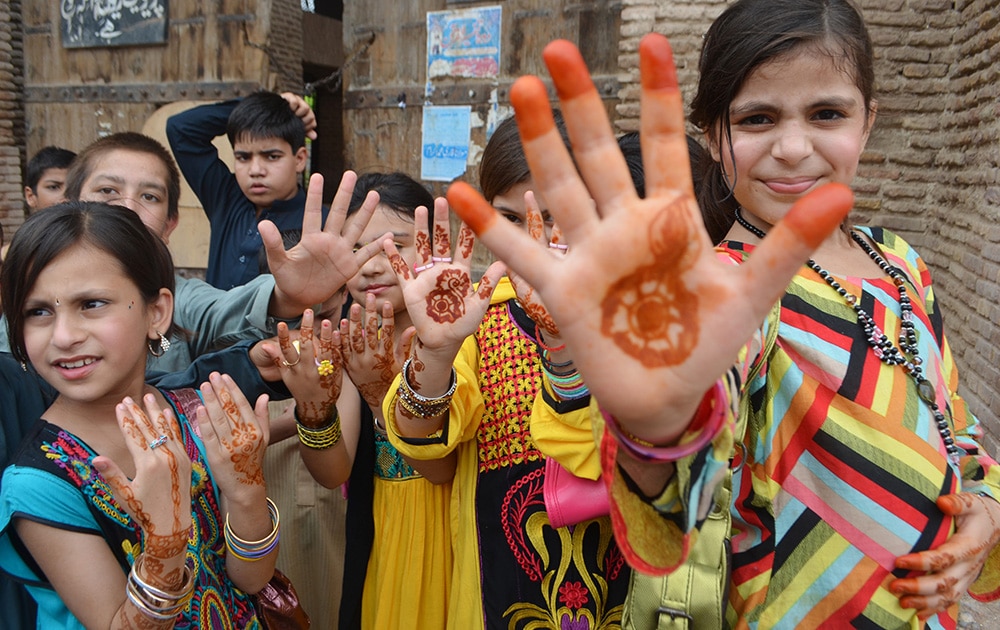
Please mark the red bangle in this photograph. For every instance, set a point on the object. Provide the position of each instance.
(541, 342)
(713, 405)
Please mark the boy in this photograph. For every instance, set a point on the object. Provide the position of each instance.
(267, 132)
(45, 177)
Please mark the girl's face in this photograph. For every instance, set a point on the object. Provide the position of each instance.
(798, 122)
(86, 325)
(376, 275)
(510, 205)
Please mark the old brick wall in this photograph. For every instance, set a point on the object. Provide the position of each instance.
(931, 169)
(11, 116)
(285, 44)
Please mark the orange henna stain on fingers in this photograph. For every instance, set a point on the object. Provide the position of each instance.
(477, 214)
(816, 215)
(569, 71)
(532, 110)
(656, 64)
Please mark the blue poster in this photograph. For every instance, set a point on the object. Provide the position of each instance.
(445, 143)
(463, 43)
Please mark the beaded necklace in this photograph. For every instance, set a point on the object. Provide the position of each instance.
(881, 345)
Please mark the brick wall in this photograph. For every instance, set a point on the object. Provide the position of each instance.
(285, 47)
(11, 116)
(931, 169)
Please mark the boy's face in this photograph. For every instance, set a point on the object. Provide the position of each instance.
(136, 180)
(49, 190)
(267, 170)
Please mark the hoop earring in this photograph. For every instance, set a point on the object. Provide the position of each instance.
(162, 346)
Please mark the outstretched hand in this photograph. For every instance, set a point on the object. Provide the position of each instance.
(952, 567)
(650, 314)
(526, 294)
(325, 258)
(442, 303)
(158, 498)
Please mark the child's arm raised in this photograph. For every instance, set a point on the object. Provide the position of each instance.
(324, 259)
(651, 317)
(82, 568)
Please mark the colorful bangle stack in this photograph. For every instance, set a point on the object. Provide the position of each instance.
(252, 551)
(421, 406)
(322, 437)
(713, 405)
(154, 602)
(566, 384)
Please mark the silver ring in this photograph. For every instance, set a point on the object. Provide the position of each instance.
(160, 441)
(417, 269)
(562, 246)
(439, 259)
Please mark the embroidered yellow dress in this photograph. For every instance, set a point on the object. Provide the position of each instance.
(512, 569)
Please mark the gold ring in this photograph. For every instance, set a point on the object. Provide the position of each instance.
(298, 355)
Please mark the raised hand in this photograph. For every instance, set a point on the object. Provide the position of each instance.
(312, 370)
(158, 498)
(371, 356)
(527, 295)
(950, 568)
(439, 295)
(235, 436)
(325, 258)
(302, 110)
(649, 313)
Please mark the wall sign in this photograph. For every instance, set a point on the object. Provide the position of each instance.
(94, 23)
(463, 43)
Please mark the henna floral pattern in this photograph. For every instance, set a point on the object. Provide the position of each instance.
(466, 241)
(446, 301)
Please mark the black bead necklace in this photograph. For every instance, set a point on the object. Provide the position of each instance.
(881, 345)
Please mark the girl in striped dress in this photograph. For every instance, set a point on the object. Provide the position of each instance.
(861, 494)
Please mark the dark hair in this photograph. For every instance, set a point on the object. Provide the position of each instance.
(397, 191)
(503, 164)
(753, 32)
(263, 115)
(46, 158)
(632, 150)
(83, 165)
(143, 256)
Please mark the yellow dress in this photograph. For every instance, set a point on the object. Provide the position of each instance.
(410, 567)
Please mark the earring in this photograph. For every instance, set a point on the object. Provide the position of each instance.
(158, 349)
(24, 366)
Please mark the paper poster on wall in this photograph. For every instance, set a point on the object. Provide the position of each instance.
(463, 43)
(91, 23)
(445, 142)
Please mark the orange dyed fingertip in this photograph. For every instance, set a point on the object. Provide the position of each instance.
(816, 215)
(470, 205)
(569, 72)
(656, 63)
(531, 107)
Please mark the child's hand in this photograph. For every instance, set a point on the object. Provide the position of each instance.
(438, 291)
(312, 372)
(302, 110)
(324, 259)
(953, 566)
(650, 315)
(526, 295)
(371, 357)
(235, 436)
(159, 497)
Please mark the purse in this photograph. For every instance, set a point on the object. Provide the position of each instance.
(570, 499)
(277, 604)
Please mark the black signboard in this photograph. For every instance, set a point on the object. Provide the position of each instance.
(92, 23)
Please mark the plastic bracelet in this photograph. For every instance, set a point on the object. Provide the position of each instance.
(252, 551)
(541, 342)
(713, 404)
(546, 361)
(323, 437)
(570, 394)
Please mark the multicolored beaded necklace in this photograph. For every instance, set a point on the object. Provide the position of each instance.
(881, 345)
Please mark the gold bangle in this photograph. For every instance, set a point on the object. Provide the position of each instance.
(421, 406)
(320, 437)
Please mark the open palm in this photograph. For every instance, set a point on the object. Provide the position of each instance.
(651, 315)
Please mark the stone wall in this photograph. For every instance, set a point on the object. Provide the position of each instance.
(11, 117)
(931, 169)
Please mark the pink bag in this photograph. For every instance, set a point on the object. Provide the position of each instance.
(570, 499)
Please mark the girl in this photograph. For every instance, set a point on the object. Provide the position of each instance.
(399, 547)
(861, 494)
(125, 523)
(467, 393)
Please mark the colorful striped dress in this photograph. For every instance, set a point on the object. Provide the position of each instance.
(841, 463)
